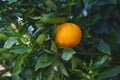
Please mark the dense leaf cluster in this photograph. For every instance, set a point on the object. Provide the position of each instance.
(28, 50)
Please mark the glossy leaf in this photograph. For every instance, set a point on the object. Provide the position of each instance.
(104, 47)
(51, 18)
(67, 54)
(48, 51)
(11, 1)
(44, 61)
(18, 64)
(110, 73)
(10, 42)
(41, 38)
(19, 51)
(88, 2)
(63, 70)
(100, 61)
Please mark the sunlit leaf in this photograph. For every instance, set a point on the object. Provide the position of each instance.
(35, 18)
(11, 1)
(67, 54)
(48, 51)
(41, 38)
(10, 42)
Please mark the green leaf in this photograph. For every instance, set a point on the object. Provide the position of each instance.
(51, 4)
(39, 26)
(39, 76)
(48, 73)
(114, 2)
(63, 70)
(51, 75)
(3, 50)
(55, 20)
(40, 4)
(51, 18)
(48, 51)
(19, 50)
(10, 42)
(27, 74)
(80, 73)
(88, 2)
(16, 77)
(35, 18)
(74, 63)
(17, 14)
(54, 47)
(100, 61)
(86, 34)
(82, 63)
(5, 55)
(30, 11)
(110, 73)
(104, 47)
(67, 54)
(19, 62)
(3, 37)
(41, 38)
(44, 61)
(11, 1)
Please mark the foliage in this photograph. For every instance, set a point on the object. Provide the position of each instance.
(28, 50)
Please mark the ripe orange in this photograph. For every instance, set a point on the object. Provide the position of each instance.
(68, 35)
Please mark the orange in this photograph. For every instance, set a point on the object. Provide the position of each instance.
(68, 35)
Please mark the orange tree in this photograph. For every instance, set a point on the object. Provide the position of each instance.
(28, 50)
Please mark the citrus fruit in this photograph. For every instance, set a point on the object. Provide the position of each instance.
(67, 35)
